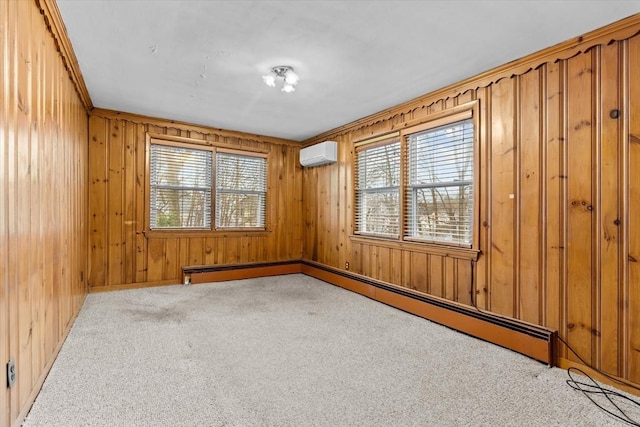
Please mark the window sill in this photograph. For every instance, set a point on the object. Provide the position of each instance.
(174, 233)
(424, 247)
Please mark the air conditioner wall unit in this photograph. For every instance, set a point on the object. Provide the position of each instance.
(319, 154)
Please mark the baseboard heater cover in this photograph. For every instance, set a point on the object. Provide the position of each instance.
(219, 273)
(531, 340)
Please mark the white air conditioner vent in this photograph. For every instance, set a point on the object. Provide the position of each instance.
(319, 154)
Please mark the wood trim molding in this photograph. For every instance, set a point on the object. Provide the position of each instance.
(617, 31)
(416, 246)
(189, 127)
(55, 25)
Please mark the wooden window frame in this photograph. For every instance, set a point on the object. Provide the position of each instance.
(183, 142)
(457, 113)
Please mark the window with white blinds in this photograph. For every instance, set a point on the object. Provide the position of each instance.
(241, 189)
(378, 189)
(180, 188)
(439, 190)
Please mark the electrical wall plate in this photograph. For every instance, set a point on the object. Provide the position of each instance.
(11, 373)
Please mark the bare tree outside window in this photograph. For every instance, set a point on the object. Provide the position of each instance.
(378, 190)
(240, 191)
(180, 185)
(440, 184)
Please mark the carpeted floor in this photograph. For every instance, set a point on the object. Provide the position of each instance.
(289, 351)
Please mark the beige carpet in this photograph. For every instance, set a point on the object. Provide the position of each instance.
(289, 351)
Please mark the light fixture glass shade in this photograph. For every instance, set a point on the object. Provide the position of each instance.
(288, 88)
(291, 77)
(269, 80)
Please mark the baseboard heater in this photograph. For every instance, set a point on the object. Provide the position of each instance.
(531, 340)
(221, 273)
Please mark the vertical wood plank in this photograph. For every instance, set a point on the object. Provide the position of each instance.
(22, 207)
(419, 271)
(406, 270)
(98, 201)
(115, 261)
(463, 281)
(171, 254)
(451, 289)
(436, 277)
(529, 198)
(554, 184)
(141, 208)
(633, 258)
(356, 258)
(365, 260)
(384, 264)
(155, 262)
(5, 410)
(395, 276)
(195, 251)
(503, 195)
(210, 246)
(609, 203)
(482, 282)
(129, 203)
(579, 225)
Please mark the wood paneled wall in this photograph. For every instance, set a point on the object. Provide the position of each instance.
(43, 191)
(122, 255)
(559, 198)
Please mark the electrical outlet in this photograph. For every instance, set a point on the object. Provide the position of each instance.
(346, 265)
(11, 373)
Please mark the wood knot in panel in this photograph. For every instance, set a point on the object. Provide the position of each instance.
(582, 204)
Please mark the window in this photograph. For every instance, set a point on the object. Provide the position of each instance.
(416, 185)
(378, 189)
(180, 185)
(240, 190)
(182, 180)
(439, 187)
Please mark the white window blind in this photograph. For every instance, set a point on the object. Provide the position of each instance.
(180, 185)
(241, 188)
(378, 189)
(439, 192)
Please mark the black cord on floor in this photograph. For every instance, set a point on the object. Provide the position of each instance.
(595, 388)
(588, 389)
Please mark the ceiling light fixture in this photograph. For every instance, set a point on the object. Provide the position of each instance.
(289, 78)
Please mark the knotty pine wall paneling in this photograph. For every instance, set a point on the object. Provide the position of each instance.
(123, 255)
(558, 194)
(43, 210)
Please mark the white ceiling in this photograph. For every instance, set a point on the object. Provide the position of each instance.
(202, 61)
